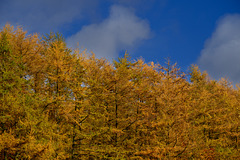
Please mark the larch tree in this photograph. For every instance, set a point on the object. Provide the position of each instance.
(18, 104)
(58, 103)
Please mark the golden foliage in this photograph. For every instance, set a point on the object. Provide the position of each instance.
(56, 103)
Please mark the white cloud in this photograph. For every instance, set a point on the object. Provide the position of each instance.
(221, 54)
(120, 31)
(43, 15)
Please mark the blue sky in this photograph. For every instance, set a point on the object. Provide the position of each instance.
(203, 32)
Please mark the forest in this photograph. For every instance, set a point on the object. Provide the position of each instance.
(60, 103)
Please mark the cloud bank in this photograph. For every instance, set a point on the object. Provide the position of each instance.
(43, 15)
(120, 31)
(221, 54)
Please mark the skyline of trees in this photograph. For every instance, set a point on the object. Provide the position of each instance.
(59, 103)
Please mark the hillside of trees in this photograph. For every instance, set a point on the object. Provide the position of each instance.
(59, 103)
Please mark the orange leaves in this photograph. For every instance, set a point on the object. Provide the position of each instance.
(57, 104)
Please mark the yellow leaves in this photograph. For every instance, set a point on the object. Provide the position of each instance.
(151, 153)
(68, 104)
(8, 140)
(197, 76)
(117, 131)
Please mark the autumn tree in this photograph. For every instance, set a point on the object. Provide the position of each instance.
(60, 103)
(18, 103)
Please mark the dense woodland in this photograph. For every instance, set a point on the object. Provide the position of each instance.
(59, 103)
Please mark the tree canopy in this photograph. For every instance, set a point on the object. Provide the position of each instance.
(59, 103)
